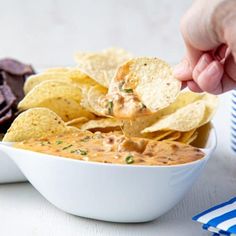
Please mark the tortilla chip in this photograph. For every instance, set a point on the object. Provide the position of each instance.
(211, 102)
(172, 136)
(78, 77)
(193, 137)
(101, 123)
(133, 128)
(145, 85)
(183, 99)
(34, 80)
(184, 119)
(101, 66)
(49, 90)
(160, 135)
(66, 108)
(77, 122)
(202, 137)
(35, 123)
(94, 100)
(186, 136)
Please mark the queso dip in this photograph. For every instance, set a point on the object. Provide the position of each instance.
(114, 148)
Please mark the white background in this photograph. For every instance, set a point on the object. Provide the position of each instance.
(49, 32)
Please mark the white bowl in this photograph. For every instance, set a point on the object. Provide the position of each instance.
(110, 192)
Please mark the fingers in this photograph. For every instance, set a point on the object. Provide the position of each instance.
(202, 64)
(213, 77)
(209, 79)
(229, 77)
(194, 86)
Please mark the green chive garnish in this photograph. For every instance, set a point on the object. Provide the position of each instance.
(59, 142)
(43, 143)
(110, 107)
(129, 159)
(82, 152)
(85, 139)
(79, 151)
(143, 106)
(66, 147)
(127, 90)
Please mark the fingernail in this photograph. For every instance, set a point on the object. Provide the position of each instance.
(212, 69)
(181, 68)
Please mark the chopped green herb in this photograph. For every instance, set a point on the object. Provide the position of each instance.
(143, 106)
(66, 147)
(127, 90)
(43, 143)
(110, 107)
(129, 159)
(79, 151)
(85, 139)
(59, 142)
(121, 85)
(83, 152)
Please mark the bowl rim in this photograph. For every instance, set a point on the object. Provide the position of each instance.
(207, 152)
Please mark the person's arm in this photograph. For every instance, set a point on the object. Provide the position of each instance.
(209, 33)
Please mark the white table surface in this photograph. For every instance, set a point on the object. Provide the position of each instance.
(23, 211)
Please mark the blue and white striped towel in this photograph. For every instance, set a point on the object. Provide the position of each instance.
(233, 122)
(220, 219)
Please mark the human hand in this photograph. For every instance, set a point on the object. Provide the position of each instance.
(209, 32)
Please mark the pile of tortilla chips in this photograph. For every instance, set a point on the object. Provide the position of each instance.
(61, 100)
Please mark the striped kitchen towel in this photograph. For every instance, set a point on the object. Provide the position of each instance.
(233, 122)
(220, 219)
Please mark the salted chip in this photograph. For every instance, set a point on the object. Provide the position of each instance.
(184, 119)
(159, 135)
(184, 98)
(133, 128)
(211, 102)
(80, 78)
(66, 108)
(70, 75)
(94, 100)
(101, 123)
(34, 80)
(186, 136)
(172, 136)
(187, 97)
(72, 129)
(101, 66)
(35, 123)
(49, 90)
(143, 86)
(192, 138)
(77, 122)
(203, 133)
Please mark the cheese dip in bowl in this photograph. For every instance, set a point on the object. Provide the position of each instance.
(129, 189)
